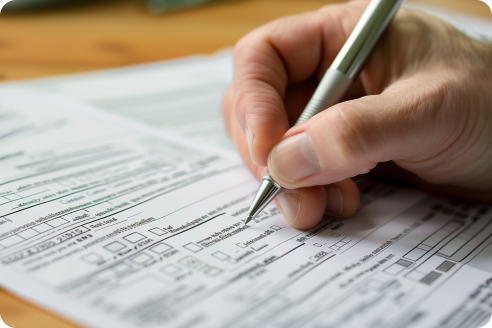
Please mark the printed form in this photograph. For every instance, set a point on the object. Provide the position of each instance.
(113, 224)
(115, 227)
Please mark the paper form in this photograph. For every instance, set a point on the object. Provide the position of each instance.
(181, 96)
(114, 227)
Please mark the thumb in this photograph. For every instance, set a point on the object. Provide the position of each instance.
(405, 122)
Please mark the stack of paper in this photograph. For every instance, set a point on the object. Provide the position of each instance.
(122, 205)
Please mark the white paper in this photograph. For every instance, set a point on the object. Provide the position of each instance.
(113, 224)
(181, 97)
(113, 227)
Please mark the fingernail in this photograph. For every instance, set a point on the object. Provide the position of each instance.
(290, 204)
(249, 138)
(294, 158)
(334, 200)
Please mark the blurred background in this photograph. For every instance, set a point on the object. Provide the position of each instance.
(51, 37)
(40, 38)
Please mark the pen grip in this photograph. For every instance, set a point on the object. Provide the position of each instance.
(329, 92)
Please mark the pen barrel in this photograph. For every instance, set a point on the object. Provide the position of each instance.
(330, 91)
(347, 65)
(371, 25)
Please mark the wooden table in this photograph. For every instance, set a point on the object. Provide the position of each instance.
(115, 33)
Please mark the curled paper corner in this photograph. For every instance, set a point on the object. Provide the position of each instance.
(3, 3)
(2, 324)
(488, 3)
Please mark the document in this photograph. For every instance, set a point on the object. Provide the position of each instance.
(121, 205)
(115, 225)
(180, 96)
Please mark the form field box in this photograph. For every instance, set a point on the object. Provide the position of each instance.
(134, 237)
(463, 238)
(161, 248)
(7, 242)
(171, 269)
(394, 270)
(430, 278)
(115, 246)
(42, 227)
(415, 254)
(398, 267)
(221, 256)
(442, 233)
(12, 196)
(453, 246)
(193, 247)
(425, 247)
(56, 222)
(190, 262)
(445, 266)
(213, 272)
(27, 193)
(416, 275)
(26, 234)
(436, 238)
(92, 258)
(142, 259)
(158, 231)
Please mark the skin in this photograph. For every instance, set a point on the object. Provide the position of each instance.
(421, 110)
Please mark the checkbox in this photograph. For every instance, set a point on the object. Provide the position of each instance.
(134, 237)
(161, 248)
(193, 247)
(221, 256)
(28, 233)
(213, 272)
(171, 269)
(142, 259)
(92, 258)
(42, 227)
(56, 222)
(190, 262)
(158, 232)
(114, 247)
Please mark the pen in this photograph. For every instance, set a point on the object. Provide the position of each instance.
(338, 79)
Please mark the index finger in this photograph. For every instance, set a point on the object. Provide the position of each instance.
(289, 50)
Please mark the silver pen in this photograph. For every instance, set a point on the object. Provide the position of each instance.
(338, 79)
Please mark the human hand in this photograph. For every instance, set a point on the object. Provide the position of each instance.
(423, 101)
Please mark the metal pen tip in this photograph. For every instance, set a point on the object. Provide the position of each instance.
(248, 219)
(268, 190)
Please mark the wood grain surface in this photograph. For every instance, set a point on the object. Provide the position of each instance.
(115, 33)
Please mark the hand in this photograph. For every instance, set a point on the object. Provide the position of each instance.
(423, 101)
